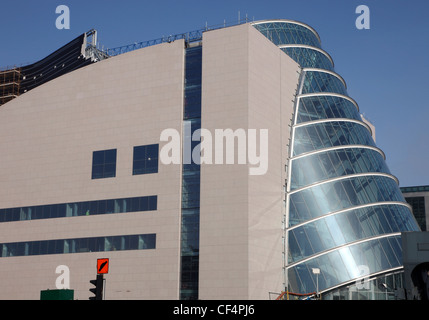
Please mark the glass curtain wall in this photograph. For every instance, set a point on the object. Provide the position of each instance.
(190, 227)
(344, 209)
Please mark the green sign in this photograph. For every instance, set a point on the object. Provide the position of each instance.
(63, 294)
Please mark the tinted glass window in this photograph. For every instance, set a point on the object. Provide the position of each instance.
(145, 159)
(104, 164)
(86, 208)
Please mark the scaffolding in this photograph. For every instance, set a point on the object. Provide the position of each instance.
(10, 81)
(78, 53)
(286, 295)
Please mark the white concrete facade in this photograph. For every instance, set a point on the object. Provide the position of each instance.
(247, 83)
(48, 136)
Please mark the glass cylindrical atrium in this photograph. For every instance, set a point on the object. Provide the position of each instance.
(344, 210)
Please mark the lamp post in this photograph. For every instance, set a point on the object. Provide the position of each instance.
(316, 271)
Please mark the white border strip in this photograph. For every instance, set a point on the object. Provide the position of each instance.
(343, 246)
(285, 46)
(348, 146)
(366, 174)
(329, 72)
(330, 94)
(289, 21)
(309, 123)
(367, 205)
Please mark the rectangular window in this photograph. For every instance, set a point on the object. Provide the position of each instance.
(104, 164)
(78, 245)
(418, 205)
(145, 159)
(190, 243)
(86, 208)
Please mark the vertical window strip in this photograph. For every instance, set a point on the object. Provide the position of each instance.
(189, 265)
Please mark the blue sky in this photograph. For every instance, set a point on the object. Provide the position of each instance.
(384, 67)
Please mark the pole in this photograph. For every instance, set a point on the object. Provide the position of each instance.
(104, 289)
(317, 285)
(316, 271)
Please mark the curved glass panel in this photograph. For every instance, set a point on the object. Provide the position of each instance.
(343, 126)
(316, 81)
(309, 58)
(372, 290)
(346, 227)
(326, 107)
(335, 163)
(337, 195)
(323, 135)
(345, 264)
(288, 33)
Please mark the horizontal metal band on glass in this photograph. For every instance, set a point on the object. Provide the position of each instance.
(367, 205)
(321, 134)
(303, 46)
(349, 146)
(287, 21)
(332, 73)
(340, 193)
(333, 120)
(78, 245)
(326, 252)
(318, 107)
(317, 81)
(342, 265)
(349, 226)
(351, 176)
(308, 57)
(84, 208)
(331, 163)
(286, 32)
(315, 122)
(329, 94)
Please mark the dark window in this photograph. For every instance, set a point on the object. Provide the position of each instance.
(86, 208)
(104, 164)
(145, 159)
(63, 246)
(418, 205)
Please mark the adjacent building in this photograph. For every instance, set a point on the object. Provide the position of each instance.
(418, 198)
(85, 173)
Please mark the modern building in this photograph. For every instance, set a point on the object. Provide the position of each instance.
(418, 198)
(85, 173)
(415, 248)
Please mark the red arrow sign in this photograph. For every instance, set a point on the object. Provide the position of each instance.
(102, 266)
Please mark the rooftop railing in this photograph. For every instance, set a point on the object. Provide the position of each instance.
(189, 37)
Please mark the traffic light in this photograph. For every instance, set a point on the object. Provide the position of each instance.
(98, 290)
